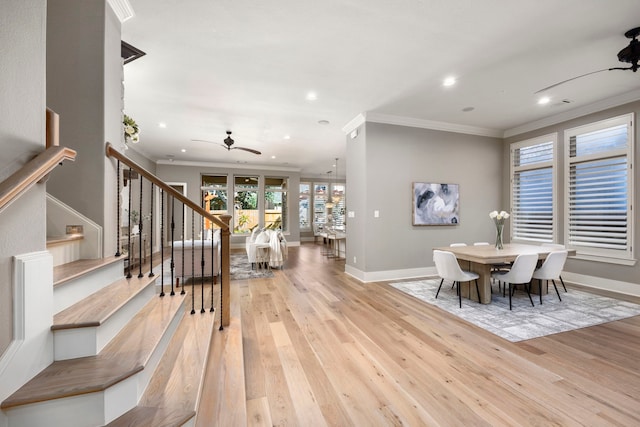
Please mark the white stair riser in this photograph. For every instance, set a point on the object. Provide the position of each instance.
(81, 342)
(71, 292)
(97, 408)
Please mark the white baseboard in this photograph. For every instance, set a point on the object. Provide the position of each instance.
(382, 276)
(616, 286)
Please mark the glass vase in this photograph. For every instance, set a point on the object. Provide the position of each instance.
(499, 228)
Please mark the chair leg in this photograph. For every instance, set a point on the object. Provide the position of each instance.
(478, 292)
(540, 289)
(459, 294)
(526, 287)
(442, 280)
(554, 285)
(562, 281)
(509, 296)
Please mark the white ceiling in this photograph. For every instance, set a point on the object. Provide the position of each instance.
(246, 66)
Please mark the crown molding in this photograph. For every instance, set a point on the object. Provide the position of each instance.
(122, 9)
(433, 125)
(355, 123)
(595, 107)
(227, 165)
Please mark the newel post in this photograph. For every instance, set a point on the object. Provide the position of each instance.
(225, 255)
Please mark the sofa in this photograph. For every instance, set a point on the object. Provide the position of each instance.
(193, 248)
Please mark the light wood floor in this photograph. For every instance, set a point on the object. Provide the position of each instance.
(321, 348)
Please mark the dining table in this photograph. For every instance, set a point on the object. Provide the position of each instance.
(481, 259)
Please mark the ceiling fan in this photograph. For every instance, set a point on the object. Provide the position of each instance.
(630, 54)
(228, 144)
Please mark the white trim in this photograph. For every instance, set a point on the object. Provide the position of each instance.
(123, 9)
(253, 167)
(595, 107)
(433, 125)
(383, 276)
(355, 123)
(625, 288)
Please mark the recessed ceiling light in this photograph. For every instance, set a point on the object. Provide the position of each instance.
(273, 157)
(184, 150)
(323, 122)
(287, 137)
(312, 96)
(162, 125)
(544, 100)
(449, 81)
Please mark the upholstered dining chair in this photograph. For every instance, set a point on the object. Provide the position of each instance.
(550, 270)
(454, 245)
(556, 246)
(520, 274)
(449, 269)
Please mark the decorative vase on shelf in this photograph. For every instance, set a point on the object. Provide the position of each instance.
(499, 228)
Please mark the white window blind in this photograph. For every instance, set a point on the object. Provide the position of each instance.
(532, 195)
(599, 219)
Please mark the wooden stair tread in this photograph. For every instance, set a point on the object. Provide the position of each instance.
(99, 306)
(65, 272)
(174, 389)
(124, 356)
(60, 240)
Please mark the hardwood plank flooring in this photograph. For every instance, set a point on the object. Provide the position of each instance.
(322, 348)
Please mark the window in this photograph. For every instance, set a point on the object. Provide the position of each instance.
(303, 206)
(337, 212)
(599, 188)
(319, 200)
(214, 196)
(532, 194)
(275, 201)
(245, 209)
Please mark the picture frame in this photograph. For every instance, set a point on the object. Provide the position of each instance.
(435, 204)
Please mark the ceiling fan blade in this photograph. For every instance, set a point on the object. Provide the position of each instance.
(580, 76)
(203, 140)
(251, 150)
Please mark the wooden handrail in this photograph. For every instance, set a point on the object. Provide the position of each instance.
(112, 152)
(34, 171)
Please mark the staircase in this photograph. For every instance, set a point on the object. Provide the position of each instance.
(123, 355)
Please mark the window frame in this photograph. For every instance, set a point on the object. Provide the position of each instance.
(590, 252)
(284, 190)
(553, 164)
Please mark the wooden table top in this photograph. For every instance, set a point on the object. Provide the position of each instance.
(488, 254)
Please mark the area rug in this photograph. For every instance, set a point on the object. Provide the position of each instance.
(576, 310)
(241, 268)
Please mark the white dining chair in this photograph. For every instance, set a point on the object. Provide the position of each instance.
(520, 274)
(449, 269)
(556, 246)
(481, 244)
(453, 245)
(550, 270)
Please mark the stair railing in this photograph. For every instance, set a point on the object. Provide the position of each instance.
(166, 226)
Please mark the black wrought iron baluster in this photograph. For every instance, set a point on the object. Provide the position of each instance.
(161, 242)
(182, 292)
(213, 270)
(193, 263)
(151, 235)
(129, 230)
(173, 227)
(202, 264)
(118, 210)
(140, 275)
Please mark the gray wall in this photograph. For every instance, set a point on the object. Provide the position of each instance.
(22, 124)
(191, 175)
(622, 273)
(384, 161)
(84, 86)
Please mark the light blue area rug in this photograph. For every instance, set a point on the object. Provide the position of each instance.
(576, 310)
